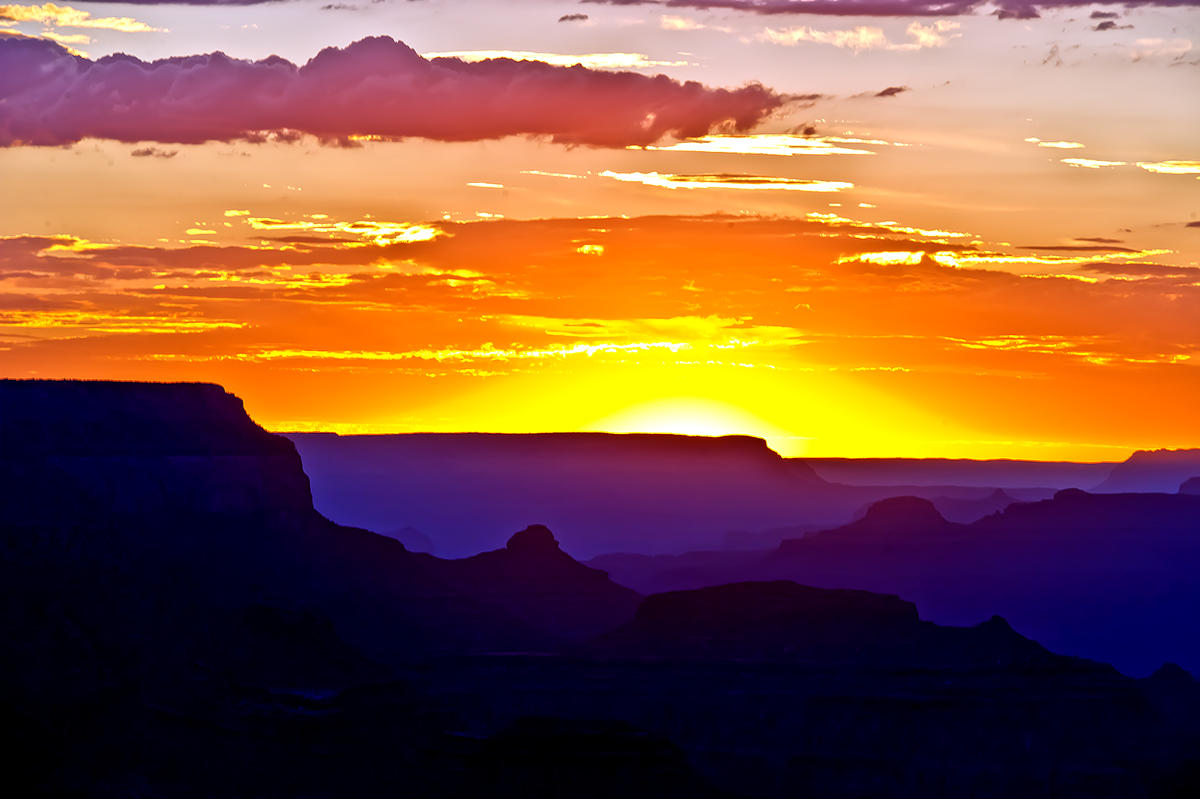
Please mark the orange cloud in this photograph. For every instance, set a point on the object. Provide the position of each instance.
(1000, 343)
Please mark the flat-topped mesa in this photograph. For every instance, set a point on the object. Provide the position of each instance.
(82, 418)
(72, 449)
(600, 492)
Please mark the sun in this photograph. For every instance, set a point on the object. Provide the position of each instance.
(692, 416)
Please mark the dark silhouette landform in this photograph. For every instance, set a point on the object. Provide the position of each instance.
(644, 493)
(1160, 470)
(179, 622)
(1107, 576)
(1007, 474)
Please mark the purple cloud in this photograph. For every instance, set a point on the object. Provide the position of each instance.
(1006, 9)
(373, 87)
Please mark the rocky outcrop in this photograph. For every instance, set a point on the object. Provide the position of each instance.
(1160, 470)
(536, 581)
(135, 506)
(787, 622)
(80, 452)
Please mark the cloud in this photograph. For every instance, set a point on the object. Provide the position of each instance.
(1171, 167)
(573, 18)
(1092, 163)
(1055, 145)
(937, 34)
(1004, 9)
(153, 152)
(727, 181)
(501, 291)
(589, 60)
(892, 91)
(776, 144)
(675, 23)
(373, 87)
(66, 17)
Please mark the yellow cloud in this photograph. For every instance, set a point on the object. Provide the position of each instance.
(111, 322)
(1171, 167)
(370, 230)
(66, 17)
(742, 182)
(772, 144)
(891, 258)
(1091, 163)
(1055, 145)
(936, 34)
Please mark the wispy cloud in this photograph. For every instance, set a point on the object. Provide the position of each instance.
(1171, 167)
(1055, 145)
(589, 60)
(775, 144)
(936, 34)
(669, 22)
(727, 181)
(1092, 163)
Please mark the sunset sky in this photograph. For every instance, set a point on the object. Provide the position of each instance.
(874, 228)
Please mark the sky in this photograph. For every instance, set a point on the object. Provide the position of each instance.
(853, 227)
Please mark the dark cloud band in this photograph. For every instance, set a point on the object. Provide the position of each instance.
(374, 87)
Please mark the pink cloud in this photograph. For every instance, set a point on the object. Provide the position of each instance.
(1006, 9)
(373, 87)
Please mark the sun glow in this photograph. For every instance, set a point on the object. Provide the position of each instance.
(692, 416)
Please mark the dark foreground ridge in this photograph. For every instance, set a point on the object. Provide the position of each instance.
(180, 622)
(1104, 576)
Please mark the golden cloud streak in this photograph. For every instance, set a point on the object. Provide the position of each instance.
(1091, 163)
(1171, 167)
(99, 322)
(370, 230)
(741, 182)
(67, 17)
(1055, 145)
(891, 258)
(771, 144)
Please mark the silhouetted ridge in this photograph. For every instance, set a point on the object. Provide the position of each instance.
(109, 419)
(535, 580)
(784, 621)
(600, 492)
(1190, 486)
(534, 539)
(901, 515)
(172, 491)
(896, 518)
(1160, 470)
(1172, 674)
